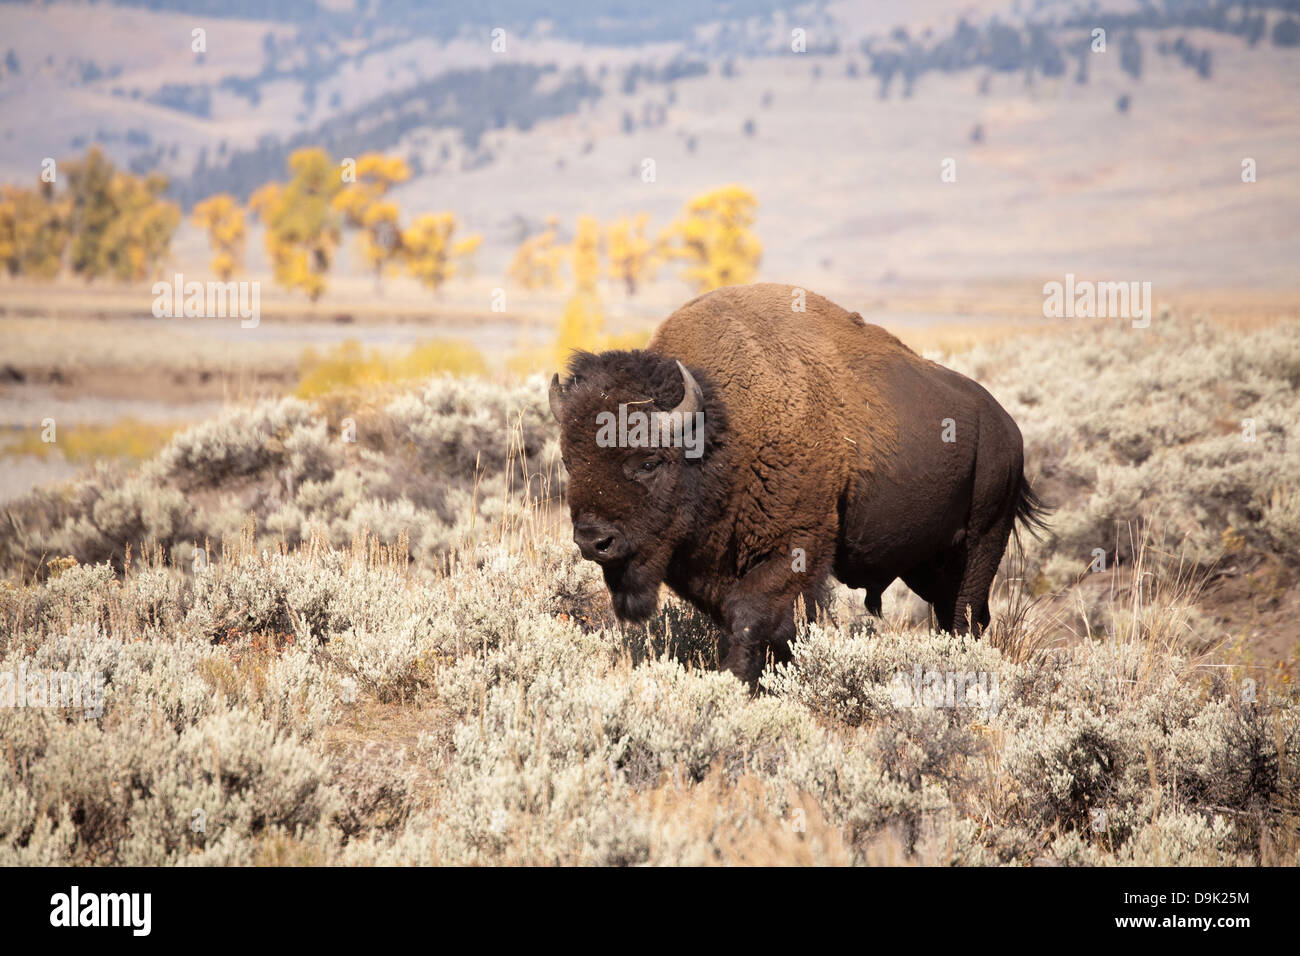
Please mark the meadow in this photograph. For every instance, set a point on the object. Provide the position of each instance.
(348, 627)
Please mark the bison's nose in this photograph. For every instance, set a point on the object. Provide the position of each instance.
(597, 540)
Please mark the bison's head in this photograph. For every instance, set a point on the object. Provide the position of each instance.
(637, 444)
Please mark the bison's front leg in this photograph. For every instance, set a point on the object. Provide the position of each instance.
(753, 627)
(759, 615)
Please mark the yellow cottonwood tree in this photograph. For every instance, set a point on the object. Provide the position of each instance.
(586, 254)
(223, 219)
(90, 188)
(633, 259)
(381, 239)
(431, 254)
(583, 323)
(138, 239)
(538, 259)
(10, 196)
(375, 175)
(714, 238)
(119, 224)
(302, 225)
(33, 231)
(361, 204)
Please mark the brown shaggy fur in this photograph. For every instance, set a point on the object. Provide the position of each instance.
(826, 455)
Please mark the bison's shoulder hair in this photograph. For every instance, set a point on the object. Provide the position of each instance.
(793, 364)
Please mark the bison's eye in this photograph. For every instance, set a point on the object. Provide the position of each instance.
(643, 470)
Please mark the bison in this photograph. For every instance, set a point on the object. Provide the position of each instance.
(826, 447)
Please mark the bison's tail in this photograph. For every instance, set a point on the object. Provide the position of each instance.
(1031, 511)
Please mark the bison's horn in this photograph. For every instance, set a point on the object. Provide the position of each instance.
(693, 399)
(556, 398)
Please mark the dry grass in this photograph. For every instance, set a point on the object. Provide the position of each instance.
(1151, 619)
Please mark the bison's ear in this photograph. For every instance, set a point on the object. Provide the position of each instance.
(556, 397)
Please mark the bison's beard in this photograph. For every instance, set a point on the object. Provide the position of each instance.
(634, 586)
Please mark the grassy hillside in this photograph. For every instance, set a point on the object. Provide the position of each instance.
(398, 658)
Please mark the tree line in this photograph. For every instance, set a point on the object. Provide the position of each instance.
(94, 220)
(103, 223)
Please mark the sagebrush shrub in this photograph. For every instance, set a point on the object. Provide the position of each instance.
(414, 591)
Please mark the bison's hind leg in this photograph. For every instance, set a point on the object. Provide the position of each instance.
(983, 558)
(937, 582)
(957, 582)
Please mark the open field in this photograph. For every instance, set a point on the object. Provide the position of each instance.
(389, 652)
(302, 589)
